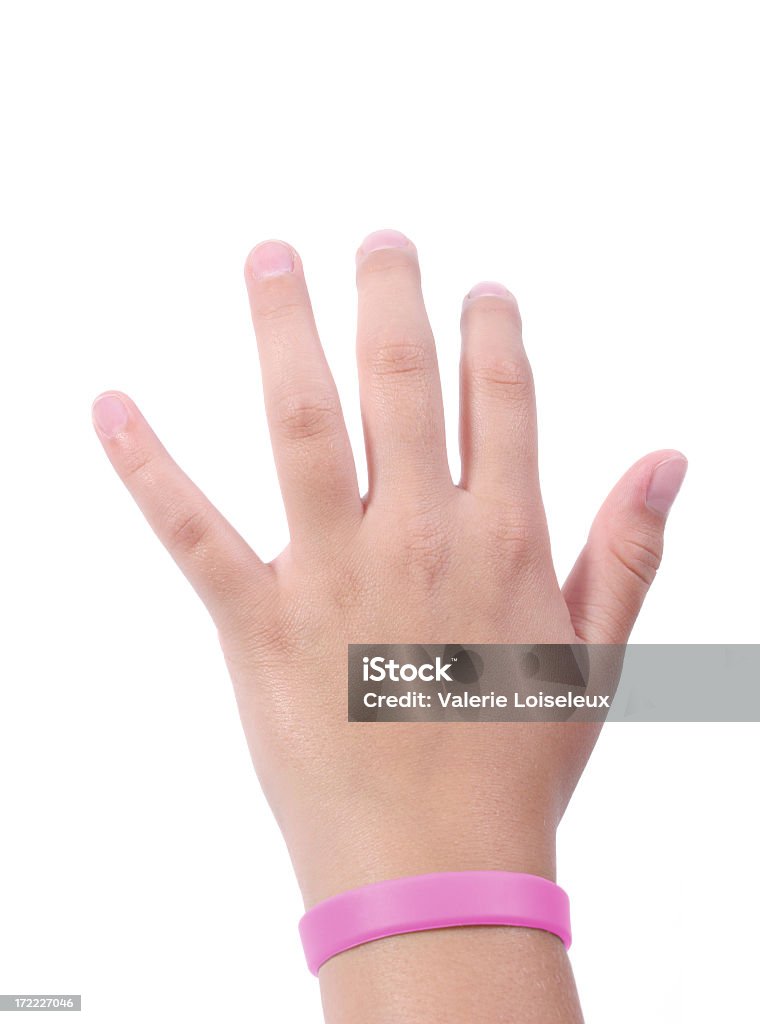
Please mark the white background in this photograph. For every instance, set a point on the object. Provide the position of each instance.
(598, 158)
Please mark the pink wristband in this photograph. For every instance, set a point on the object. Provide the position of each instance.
(422, 902)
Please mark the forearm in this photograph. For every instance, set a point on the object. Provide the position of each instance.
(478, 975)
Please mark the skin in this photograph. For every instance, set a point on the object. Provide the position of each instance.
(359, 803)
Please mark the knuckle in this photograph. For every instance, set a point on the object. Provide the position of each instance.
(303, 417)
(272, 310)
(283, 633)
(514, 536)
(426, 548)
(262, 638)
(187, 531)
(136, 463)
(350, 584)
(639, 554)
(399, 358)
(505, 378)
(611, 621)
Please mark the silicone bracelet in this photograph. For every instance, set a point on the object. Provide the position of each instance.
(424, 902)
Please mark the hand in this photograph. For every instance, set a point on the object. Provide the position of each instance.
(419, 559)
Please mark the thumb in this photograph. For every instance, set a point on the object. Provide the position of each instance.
(608, 583)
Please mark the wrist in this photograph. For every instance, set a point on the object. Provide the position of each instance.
(368, 858)
(450, 975)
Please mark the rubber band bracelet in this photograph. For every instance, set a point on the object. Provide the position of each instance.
(425, 902)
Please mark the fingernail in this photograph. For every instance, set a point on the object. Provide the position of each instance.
(268, 259)
(665, 483)
(110, 414)
(487, 288)
(387, 238)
